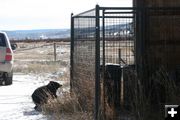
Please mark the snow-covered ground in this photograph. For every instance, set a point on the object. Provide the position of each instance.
(15, 100)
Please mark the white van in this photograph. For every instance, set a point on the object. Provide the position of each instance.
(6, 60)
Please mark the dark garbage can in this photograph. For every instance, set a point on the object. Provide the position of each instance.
(112, 83)
(119, 83)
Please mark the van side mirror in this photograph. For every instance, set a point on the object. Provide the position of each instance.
(13, 46)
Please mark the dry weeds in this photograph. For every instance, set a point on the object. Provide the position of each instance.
(66, 107)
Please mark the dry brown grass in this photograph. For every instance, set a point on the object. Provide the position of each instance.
(148, 104)
(42, 51)
(38, 58)
(35, 67)
(66, 107)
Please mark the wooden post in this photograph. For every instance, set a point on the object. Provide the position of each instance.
(122, 81)
(54, 51)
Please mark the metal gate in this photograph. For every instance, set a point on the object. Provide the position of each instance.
(102, 43)
(117, 54)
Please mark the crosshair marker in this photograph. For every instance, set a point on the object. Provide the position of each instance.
(172, 112)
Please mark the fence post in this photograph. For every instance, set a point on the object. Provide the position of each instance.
(122, 81)
(97, 67)
(54, 51)
(103, 44)
(72, 52)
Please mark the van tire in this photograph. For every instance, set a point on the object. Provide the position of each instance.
(8, 81)
(9, 78)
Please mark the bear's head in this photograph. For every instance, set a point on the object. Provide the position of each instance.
(54, 85)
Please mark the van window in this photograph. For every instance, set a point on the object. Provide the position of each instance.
(2, 40)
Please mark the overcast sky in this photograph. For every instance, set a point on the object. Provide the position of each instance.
(47, 14)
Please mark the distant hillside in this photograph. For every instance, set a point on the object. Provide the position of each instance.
(111, 30)
(38, 34)
(122, 30)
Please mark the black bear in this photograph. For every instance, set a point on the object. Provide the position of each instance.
(41, 95)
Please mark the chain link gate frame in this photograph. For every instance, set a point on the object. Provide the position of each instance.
(96, 28)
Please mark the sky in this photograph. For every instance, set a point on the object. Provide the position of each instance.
(47, 14)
